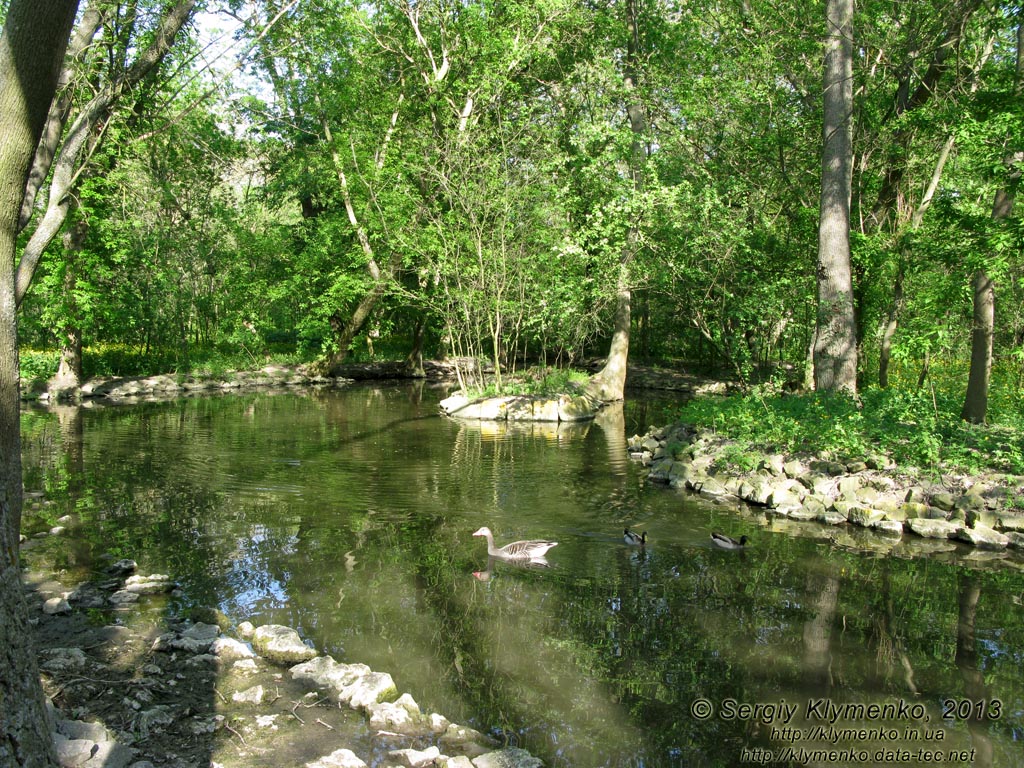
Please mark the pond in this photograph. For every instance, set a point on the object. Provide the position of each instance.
(348, 514)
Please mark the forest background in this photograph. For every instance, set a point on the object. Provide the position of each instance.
(803, 194)
(473, 179)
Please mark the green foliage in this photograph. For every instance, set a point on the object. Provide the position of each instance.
(485, 153)
(37, 366)
(110, 360)
(737, 456)
(915, 428)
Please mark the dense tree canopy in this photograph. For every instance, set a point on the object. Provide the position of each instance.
(465, 176)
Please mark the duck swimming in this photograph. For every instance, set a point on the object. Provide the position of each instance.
(634, 539)
(728, 542)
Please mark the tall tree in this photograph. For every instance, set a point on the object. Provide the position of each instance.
(610, 382)
(984, 303)
(32, 45)
(835, 346)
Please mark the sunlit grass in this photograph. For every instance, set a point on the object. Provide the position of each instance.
(914, 427)
(533, 381)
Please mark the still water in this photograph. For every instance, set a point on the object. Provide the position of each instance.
(347, 514)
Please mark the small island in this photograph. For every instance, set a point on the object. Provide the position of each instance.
(549, 408)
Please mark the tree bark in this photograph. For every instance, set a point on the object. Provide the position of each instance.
(835, 350)
(35, 37)
(976, 399)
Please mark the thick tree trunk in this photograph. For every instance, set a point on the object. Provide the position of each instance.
(835, 350)
(35, 37)
(609, 384)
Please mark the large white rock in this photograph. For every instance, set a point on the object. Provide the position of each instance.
(369, 689)
(933, 529)
(415, 758)
(327, 674)
(508, 758)
(983, 537)
(341, 758)
(281, 644)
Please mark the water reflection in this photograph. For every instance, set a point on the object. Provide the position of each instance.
(488, 571)
(349, 515)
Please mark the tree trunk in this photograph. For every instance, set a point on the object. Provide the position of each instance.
(835, 350)
(414, 360)
(60, 110)
(976, 399)
(68, 379)
(35, 37)
(891, 322)
(609, 384)
(345, 332)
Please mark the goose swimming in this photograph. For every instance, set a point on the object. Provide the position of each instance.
(530, 549)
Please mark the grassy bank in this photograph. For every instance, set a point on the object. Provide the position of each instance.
(918, 428)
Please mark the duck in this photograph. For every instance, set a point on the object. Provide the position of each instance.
(531, 549)
(634, 539)
(728, 542)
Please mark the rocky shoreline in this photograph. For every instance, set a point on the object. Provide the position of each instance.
(129, 688)
(170, 385)
(872, 494)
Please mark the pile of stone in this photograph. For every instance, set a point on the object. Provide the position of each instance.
(867, 493)
(164, 386)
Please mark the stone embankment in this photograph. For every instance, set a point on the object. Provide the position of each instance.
(170, 385)
(173, 385)
(130, 693)
(871, 493)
